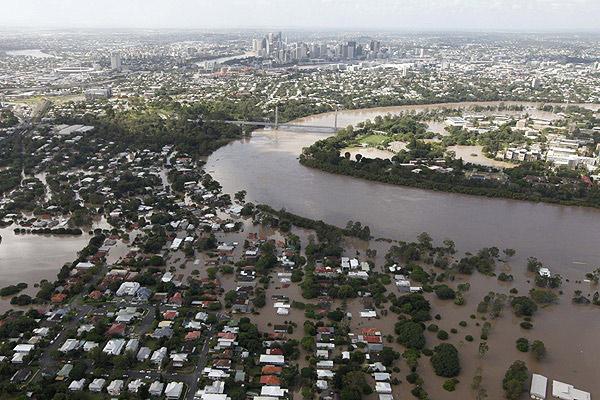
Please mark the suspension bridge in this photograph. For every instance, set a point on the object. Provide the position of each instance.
(285, 126)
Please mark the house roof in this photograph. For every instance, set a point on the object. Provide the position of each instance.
(58, 298)
(193, 335)
(116, 330)
(176, 298)
(270, 380)
(373, 339)
(271, 370)
(170, 314)
(370, 331)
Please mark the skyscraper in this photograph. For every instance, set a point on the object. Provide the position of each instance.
(375, 46)
(351, 50)
(115, 61)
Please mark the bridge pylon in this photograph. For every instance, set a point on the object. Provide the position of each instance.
(335, 121)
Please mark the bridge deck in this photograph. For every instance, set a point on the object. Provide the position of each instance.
(287, 126)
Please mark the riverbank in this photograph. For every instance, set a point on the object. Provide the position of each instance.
(456, 164)
(450, 187)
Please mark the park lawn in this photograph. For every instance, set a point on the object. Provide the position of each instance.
(374, 140)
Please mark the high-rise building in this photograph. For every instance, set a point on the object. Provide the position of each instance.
(324, 51)
(375, 46)
(301, 51)
(351, 52)
(115, 61)
(315, 50)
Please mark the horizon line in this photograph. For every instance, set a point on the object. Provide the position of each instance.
(314, 29)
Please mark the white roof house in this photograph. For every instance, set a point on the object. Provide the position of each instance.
(381, 376)
(325, 374)
(200, 395)
(273, 391)
(97, 385)
(143, 354)
(368, 314)
(44, 331)
(156, 388)
(69, 345)
(24, 348)
(272, 359)
(322, 353)
(77, 386)
(179, 359)
(132, 345)
(539, 386)
(176, 243)
(565, 391)
(89, 345)
(115, 387)
(325, 364)
(84, 265)
(158, 356)
(201, 316)
(167, 277)
(114, 347)
(173, 390)
(217, 387)
(128, 289)
(383, 387)
(545, 272)
(135, 385)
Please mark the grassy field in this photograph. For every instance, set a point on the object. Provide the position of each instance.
(374, 140)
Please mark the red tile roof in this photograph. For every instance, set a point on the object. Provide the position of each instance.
(116, 330)
(96, 295)
(373, 339)
(227, 335)
(176, 299)
(370, 331)
(270, 380)
(193, 335)
(271, 370)
(58, 298)
(170, 314)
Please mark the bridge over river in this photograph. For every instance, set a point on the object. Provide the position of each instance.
(290, 126)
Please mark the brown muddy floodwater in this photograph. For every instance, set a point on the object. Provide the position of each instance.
(266, 166)
(32, 258)
(565, 238)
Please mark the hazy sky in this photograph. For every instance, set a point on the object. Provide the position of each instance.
(522, 15)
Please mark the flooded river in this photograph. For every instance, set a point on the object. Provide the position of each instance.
(266, 165)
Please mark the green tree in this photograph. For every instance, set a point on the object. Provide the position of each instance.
(523, 306)
(445, 360)
(538, 349)
(410, 334)
(483, 348)
(523, 345)
(515, 379)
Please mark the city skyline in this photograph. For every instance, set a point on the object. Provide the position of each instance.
(410, 15)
